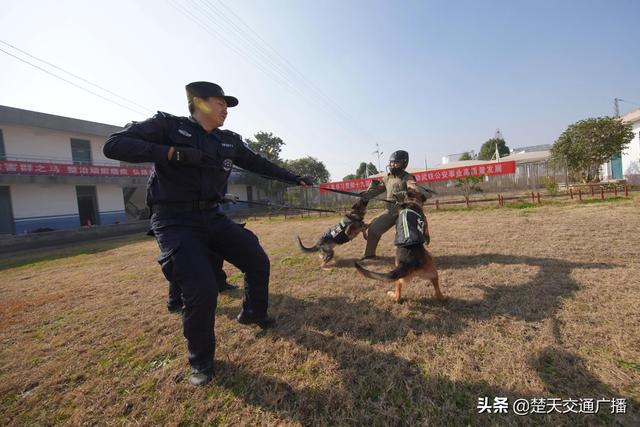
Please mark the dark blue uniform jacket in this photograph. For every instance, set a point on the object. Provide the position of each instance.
(149, 141)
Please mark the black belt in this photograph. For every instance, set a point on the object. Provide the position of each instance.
(196, 205)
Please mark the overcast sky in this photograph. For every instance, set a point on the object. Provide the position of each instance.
(333, 78)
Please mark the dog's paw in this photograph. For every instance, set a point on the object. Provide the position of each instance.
(393, 296)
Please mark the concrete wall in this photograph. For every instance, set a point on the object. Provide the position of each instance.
(44, 206)
(11, 244)
(24, 142)
(56, 206)
(110, 204)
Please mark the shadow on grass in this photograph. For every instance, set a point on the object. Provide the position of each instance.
(381, 388)
(533, 301)
(36, 256)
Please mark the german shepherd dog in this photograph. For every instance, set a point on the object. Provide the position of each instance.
(346, 230)
(412, 258)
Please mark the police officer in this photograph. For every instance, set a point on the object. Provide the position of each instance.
(192, 160)
(396, 180)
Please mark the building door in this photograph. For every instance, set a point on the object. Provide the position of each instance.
(616, 166)
(87, 204)
(6, 214)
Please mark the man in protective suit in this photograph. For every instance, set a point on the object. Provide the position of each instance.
(398, 179)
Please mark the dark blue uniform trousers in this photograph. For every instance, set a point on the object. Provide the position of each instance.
(175, 291)
(185, 240)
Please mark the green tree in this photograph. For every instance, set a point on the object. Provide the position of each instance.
(361, 172)
(587, 144)
(465, 156)
(267, 145)
(362, 169)
(469, 185)
(488, 149)
(309, 166)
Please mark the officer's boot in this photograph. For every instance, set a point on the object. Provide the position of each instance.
(248, 318)
(200, 377)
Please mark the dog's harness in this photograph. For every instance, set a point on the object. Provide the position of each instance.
(410, 228)
(338, 231)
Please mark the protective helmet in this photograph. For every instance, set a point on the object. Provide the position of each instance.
(400, 156)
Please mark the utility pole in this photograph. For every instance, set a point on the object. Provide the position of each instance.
(616, 106)
(378, 153)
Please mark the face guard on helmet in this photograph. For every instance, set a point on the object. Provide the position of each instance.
(398, 161)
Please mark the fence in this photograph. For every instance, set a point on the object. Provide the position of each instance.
(580, 192)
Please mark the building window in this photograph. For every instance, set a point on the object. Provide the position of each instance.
(81, 151)
(3, 154)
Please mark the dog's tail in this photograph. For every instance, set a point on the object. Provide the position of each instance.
(395, 274)
(303, 248)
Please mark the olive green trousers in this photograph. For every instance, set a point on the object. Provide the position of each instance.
(380, 225)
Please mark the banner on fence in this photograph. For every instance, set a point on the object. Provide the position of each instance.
(37, 168)
(488, 169)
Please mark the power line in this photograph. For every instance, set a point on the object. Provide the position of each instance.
(72, 83)
(258, 53)
(301, 77)
(242, 48)
(221, 36)
(287, 64)
(629, 102)
(75, 76)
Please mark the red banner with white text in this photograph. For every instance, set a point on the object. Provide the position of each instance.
(37, 168)
(489, 169)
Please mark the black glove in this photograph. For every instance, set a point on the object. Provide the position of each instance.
(306, 179)
(188, 156)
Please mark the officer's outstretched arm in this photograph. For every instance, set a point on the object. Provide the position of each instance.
(253, 162)
(140, 142)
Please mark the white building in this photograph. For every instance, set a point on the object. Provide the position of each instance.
(626, 166)
(53, 174)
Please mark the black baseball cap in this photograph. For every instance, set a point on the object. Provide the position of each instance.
(207, 89)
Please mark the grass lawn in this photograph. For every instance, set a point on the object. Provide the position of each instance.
(543, 302)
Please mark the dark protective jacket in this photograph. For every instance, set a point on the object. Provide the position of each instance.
(410, 228)
(149, 141)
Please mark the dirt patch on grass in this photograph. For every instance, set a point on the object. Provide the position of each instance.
(541, 303)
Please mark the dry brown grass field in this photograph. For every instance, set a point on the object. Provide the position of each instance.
(542, 303)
